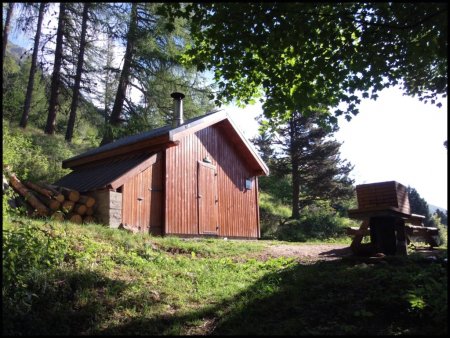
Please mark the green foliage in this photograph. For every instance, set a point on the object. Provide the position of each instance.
(31, 155)
(15, 80)
(28, 250)
(315, 223)
(278, 186)
(435, 221)
(272, 213)
(442, 216)
(306, 54)
(418, 205)
(24, 158)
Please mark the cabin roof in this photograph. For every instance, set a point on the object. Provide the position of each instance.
(93, 177)
(169, 135)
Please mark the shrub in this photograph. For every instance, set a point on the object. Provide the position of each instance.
(23, 158)
(272, 214)
(28, 250)
(34, 156)
(315, 223)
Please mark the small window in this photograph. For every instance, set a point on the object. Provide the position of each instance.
(249, 183)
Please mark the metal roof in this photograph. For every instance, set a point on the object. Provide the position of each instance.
(91, 176)
(131, 140)
(99, 176)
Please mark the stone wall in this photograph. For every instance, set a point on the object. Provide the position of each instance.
(108, 207)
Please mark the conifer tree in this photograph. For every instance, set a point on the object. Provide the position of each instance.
(33, 67)
(311, 156)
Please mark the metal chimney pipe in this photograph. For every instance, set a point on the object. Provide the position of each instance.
(178, 119)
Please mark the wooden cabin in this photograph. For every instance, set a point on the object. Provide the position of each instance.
(197, 177)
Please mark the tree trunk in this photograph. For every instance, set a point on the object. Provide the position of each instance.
(76, 89)
(71, 195)
(56, 194)
(49, 202)
(39, 189)
(9, 14)
(29, 94)
(295, 174)
(295, 189)
(41, 209)
(124, 77)
(56, 77)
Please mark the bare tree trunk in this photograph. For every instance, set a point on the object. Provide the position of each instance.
(30, 86)
(76, 89)
(124, 76)
(56, 77)
(295, 175)
(9, 14)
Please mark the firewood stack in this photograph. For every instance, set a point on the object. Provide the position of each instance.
(58, 203)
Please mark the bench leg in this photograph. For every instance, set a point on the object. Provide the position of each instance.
(401, 238)
(356, 246)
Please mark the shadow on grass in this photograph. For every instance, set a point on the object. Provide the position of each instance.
(336, 253)
(326, 298)
(338, 297)
(68, 304)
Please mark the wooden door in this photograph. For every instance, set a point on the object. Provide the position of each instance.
(207, 198)
(142, 200)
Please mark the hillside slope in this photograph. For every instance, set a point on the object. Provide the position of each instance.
(67, 279)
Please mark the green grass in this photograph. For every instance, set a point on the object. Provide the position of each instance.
(67, 279)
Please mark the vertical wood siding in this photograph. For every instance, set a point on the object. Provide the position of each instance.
(207, 198)
(237, 207)
(142, 200)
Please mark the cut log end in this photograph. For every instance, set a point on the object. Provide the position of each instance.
(75, 218)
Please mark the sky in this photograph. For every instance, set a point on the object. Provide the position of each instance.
(395, 138)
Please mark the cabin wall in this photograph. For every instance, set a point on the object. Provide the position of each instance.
(142, 200)
(237, 206)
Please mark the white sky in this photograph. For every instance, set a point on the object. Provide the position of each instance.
(395, 138)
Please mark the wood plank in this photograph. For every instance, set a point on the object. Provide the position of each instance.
(134, 171)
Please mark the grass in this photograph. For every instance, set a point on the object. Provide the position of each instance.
(95, 280)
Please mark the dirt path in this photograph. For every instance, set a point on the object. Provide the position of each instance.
(307, 252)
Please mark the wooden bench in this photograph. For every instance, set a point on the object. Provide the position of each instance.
(413, 228)
(386, 216)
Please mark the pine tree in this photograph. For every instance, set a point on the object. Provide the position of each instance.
(30, 86)
(80, 62)
(311, 156)
(56, 76)
(418, 205)
(9, 15)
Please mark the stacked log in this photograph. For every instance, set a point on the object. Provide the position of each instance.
(58, 203)
(30, 198)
